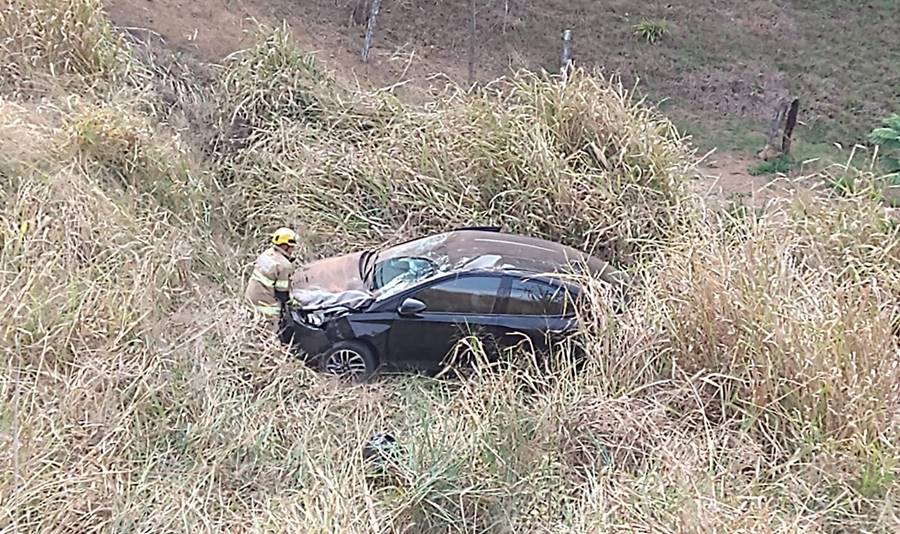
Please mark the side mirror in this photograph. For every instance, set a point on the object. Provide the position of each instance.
(411, 307)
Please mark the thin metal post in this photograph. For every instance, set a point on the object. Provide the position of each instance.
(471, 42)
(370, 30)
(566, 59)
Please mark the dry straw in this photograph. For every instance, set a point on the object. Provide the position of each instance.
(747, 381)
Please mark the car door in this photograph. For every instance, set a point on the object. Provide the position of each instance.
(455, 307)
(535, 311)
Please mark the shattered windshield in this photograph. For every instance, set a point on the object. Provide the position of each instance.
(409, 261)
(404, 270)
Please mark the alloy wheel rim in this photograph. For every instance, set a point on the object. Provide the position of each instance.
(346, 362)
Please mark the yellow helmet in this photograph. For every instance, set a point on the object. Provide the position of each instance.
(284, 236)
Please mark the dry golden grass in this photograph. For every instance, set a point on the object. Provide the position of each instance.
(751, 383)
(60, 39)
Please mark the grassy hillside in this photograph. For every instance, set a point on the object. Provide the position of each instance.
(720, 67)
(752, 383)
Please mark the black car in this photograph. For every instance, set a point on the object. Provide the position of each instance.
(407, 307)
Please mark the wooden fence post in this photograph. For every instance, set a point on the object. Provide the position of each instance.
(370, 30)
(789, 126)
(775, 125)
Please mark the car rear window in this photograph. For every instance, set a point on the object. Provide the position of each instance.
(534, 297)
(470, 294)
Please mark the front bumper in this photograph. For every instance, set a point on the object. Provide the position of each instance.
(308, 339)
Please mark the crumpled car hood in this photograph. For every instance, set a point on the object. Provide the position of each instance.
(337, 274)
(329, 286)
(318, 305)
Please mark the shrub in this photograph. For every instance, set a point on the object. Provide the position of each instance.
(888, 139)
(651, 30)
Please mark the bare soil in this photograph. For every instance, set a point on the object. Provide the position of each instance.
(725, 180)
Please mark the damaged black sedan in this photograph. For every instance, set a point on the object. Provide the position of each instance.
(406, 307)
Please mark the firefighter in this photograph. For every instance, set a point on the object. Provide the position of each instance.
(269, 286)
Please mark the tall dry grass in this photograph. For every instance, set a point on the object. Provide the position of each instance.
(59, 38)
(582, 164)
(749, 385)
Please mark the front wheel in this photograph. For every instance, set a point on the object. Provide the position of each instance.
(349, 359)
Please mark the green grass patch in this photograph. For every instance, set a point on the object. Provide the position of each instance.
(739, 136)
(651, 30)
(779, 165)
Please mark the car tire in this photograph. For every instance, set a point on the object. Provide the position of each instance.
(352, 360)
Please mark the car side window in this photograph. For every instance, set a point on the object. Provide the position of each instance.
(534, 297)
(468, 294)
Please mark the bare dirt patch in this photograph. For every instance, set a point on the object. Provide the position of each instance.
(749, 90)
(209, 29)
(762, 18)
(724, 179)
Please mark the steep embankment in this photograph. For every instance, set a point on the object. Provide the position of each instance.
(752, 384)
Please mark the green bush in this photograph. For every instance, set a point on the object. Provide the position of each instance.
(651, 30)
(887, 138)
